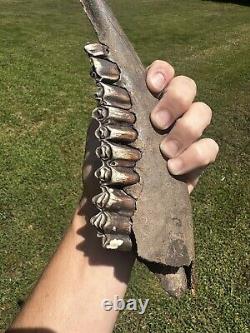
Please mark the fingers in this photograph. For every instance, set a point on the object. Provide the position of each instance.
(159, 74)
(176, 100)
(187, 130)
(188, 156)
(198, 155)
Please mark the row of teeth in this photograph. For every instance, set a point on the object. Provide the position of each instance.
(115, 133)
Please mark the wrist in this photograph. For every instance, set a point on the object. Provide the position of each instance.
(88, 242)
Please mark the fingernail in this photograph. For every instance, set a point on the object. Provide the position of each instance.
(158, 81)
(170, 148)
(175, 166)
(162, 119)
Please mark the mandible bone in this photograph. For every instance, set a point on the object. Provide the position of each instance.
(128, 157)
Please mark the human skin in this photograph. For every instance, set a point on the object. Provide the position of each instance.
(81, 274)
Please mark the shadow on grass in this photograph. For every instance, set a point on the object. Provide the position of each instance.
(237, 2)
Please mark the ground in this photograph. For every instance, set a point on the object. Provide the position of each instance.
(46, 102)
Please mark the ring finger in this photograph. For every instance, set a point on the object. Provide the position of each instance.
(186, 130)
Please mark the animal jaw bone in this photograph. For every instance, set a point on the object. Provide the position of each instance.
(162, 220)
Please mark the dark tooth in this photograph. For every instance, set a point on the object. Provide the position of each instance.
(104, 152)
(117, 133)
(96, 50)
(117, 176)
(113, 96)
(104, 174)
(105, 70)
(113, 114)
(115, 200)
(112, 223)
(111, 151)
(118, 242)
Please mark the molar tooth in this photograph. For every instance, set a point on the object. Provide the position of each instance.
(104, 174)
(117, 175)
(115, 200)
(111, 223)
(96, 50)
(113, 151)
(116, 132)
(99, 220)
(112, 95)
(101, 200)
(113, 114)
(105, 70)
(104, 151)
(118, 242)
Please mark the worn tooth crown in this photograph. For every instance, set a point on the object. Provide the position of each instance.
(112, 95)
(96, 50)
(115, 200)
(115, 133)
(110, 114)
(104, 152)
(111, 151)
(105, 70)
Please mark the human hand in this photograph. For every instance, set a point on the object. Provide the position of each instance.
(187, 154)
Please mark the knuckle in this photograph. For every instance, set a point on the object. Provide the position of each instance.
(180, 101)
(190, 129)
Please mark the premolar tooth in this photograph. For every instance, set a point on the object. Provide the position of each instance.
(113, 151)
(120, 133)
(112, 95)
(105, 70)
(115, 200)
(96, 50)
(113, 114)
(117, 175)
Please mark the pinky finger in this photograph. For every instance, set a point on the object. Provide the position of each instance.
(197, 156)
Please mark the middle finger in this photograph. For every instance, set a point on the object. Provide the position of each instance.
(176, 100)
(187, 129)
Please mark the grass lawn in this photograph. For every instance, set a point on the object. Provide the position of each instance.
(45, 106)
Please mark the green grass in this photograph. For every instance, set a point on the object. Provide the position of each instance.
(45, 105)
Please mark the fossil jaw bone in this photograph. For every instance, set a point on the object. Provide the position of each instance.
(160, 240)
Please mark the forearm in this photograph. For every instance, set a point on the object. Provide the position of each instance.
(80, 275)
